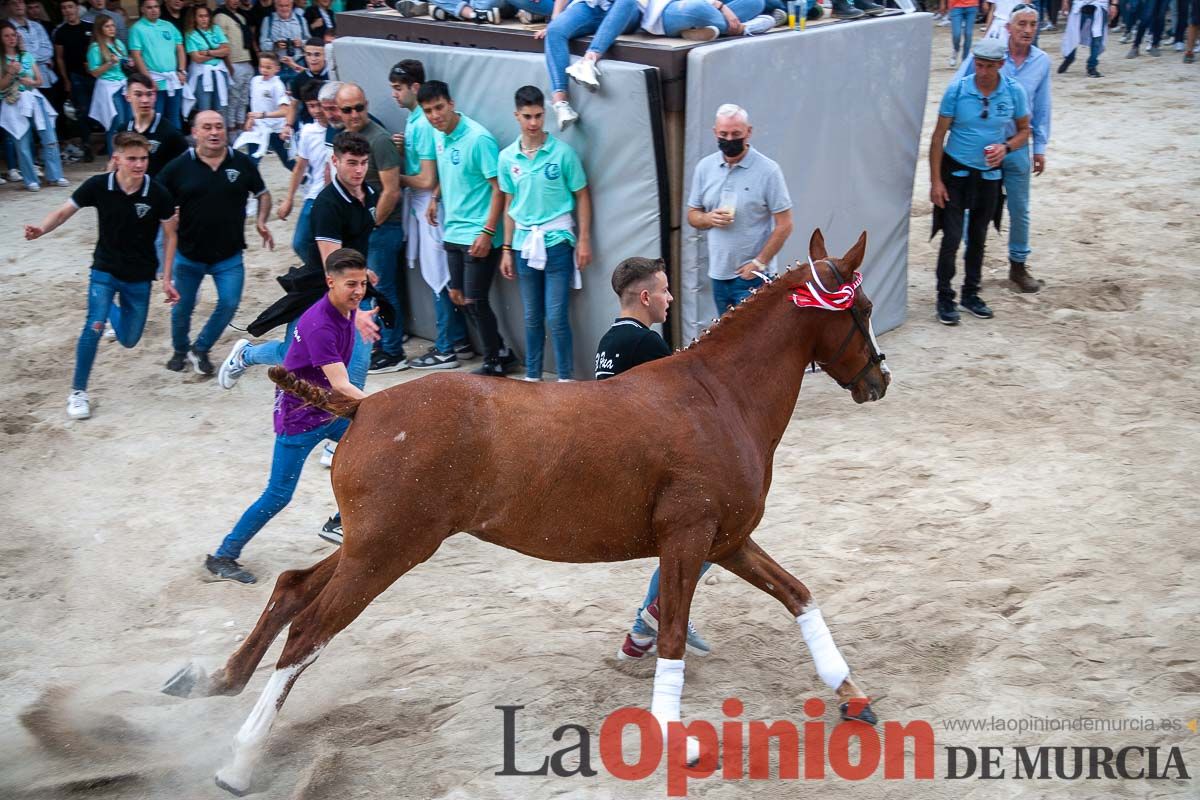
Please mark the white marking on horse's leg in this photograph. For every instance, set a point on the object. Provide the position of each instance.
(828, 659)
(665, 702)
(252, 736)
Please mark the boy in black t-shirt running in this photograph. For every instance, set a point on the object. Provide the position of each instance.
(130, 207)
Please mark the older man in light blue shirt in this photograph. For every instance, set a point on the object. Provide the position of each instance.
(1030, 67)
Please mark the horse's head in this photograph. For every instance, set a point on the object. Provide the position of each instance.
(846, 348)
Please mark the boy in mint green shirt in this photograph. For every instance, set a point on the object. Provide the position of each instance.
(543, 183)
(467, 156)
(156, 47)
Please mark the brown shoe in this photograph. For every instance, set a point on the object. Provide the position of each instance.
(1021, 277)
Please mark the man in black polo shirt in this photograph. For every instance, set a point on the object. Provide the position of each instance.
(210, 184)
(166, 142)
(71, 40)
(343, 215)
(641, 285)
(130, 207)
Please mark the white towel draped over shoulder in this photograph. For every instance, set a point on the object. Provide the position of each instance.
(534, 248)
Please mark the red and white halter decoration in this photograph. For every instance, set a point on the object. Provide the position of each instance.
(813, 293)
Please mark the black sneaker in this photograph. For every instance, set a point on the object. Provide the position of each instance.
(226, 569)
(491, 366)
(947, 312)
(976, 306)
(435, 359)
(465, 351)
(382, 362)
(331, 531)
(178, 361)
(200, 362)
(508, 358)
(1092, 72)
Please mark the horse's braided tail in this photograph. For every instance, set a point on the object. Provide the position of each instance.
(332, 402)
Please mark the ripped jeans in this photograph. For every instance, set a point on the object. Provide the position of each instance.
(128, 318)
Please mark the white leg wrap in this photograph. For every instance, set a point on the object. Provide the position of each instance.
(668, 689)
(251, 738)
(828, 659)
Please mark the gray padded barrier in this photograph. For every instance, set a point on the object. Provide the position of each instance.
(839, 107)
(616, 141)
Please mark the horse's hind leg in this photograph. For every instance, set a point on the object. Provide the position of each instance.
(754, 566)
(294, 590)
(355, 583)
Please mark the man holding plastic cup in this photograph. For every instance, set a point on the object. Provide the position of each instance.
(739, 197)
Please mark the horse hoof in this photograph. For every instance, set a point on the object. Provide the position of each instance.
(230, 789)
(861, 712)
(187, 682)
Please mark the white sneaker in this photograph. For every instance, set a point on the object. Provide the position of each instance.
(233, 367)
(760, 24)
(566, 114)
(78, 406)
(944, 23)
(32, 187)
(62, 182)
(13, 175)
(585, 72)
(1179, 47)
(705, 34)
(327, 454)
(529, 18)
(953, 61)
(110, 333)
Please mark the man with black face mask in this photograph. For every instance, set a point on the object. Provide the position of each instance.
(739, 196)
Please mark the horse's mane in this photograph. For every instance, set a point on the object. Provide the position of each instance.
(760, 297)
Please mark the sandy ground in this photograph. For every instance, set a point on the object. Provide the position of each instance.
(1007, 534)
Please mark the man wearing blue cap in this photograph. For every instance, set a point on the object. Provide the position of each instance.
(1030, 67)
(987, 117)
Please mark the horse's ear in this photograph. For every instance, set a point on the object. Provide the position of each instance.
(854, 256)
(816, 246)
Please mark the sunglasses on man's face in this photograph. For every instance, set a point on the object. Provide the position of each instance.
(985, 109)
(357, 108)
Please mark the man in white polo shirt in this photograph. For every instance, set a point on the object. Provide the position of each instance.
(740, 198)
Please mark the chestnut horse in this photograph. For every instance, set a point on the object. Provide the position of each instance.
(682, 475)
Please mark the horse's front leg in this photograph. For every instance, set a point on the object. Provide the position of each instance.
(681, 556)
(754, 566)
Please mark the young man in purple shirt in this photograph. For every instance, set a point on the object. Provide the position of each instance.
(323, 342)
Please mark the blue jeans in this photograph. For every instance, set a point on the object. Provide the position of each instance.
(451, 327)
(684, 14)
(273, 352)
(302, 240)
(228, 275)
(652, 595)
(207, 100)
(962, 25)
(1015, 171)
(287, 463)
(171, 107)
(730, 292)
(580, 19)
(546, 296)
(128, 319)
(385, 253)
(51, 158)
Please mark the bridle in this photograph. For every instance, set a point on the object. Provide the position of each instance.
(861, 325)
